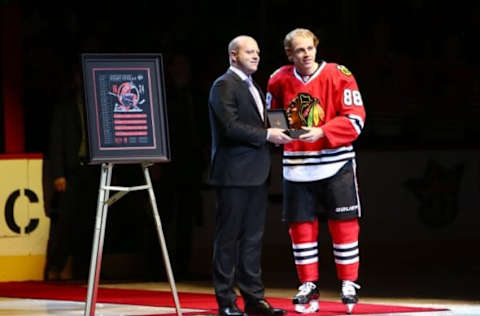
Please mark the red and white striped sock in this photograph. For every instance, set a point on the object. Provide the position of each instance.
(304, 236)
(344, 235)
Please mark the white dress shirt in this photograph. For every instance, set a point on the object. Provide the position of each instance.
(251, 87)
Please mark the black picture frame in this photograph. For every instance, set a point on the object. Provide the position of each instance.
(125, 107)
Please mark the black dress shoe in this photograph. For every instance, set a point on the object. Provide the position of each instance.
(262, 307)
(231, 310)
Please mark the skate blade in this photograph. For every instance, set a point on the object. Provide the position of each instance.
(311, 307)
(350, 308)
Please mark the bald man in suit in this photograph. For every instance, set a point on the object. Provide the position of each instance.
(240, 165)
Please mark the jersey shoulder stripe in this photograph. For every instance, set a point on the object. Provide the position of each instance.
(281, 70)
(275, 72)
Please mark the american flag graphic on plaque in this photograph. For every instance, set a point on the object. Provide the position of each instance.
(129, 124)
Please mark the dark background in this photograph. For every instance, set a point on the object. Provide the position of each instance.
(415, 62)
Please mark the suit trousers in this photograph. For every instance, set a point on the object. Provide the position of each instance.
(240, 222)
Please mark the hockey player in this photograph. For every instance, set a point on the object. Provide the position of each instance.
(319, 168)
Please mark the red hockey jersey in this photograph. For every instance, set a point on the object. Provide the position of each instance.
(329, 99)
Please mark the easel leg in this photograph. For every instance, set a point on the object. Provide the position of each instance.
(99, 235)
(163, 245)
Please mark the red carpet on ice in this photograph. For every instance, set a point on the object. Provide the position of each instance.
(206, 302)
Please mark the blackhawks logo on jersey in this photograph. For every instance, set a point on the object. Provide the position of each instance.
(344, 70)
(305, 110)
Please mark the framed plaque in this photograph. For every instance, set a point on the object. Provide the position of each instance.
(126, 114)
(278, 118)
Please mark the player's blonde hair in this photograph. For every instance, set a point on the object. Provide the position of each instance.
(299, 32)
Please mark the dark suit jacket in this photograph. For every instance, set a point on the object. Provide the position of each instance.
(240, 153)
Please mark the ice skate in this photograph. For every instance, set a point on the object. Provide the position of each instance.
(306, 300)
(349, 294)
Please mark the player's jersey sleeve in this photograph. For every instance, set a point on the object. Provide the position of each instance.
(347, 125)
